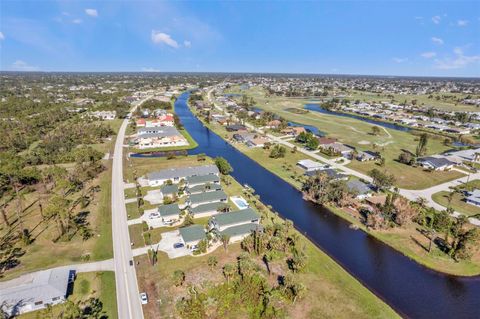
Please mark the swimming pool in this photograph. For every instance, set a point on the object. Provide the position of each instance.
(239, 201)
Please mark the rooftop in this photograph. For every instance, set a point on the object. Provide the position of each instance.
(244, 215)
(183, 172)
(241, 229)
(208, 196)
(192, 233)
(169, 210)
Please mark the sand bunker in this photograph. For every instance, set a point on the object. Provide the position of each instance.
(364, 142)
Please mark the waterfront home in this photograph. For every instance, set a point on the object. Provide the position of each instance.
(141, 122)
(310, 165)
(257, 142)
(197, 180)
(359, 188)
(243, 136)
(206, 198)
(34, 291)
(236, 128)
(325, 141)
(207, 210)
(239, 232)
(162, 120)
(177, 174)
(366, 156)
(330, 172)
(221, 222)
(435, 163)
(202, 188)
(473, 197)
(192, 235)
(169, 213)
(274, 124)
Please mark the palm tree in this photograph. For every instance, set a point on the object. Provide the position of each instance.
(229, 271)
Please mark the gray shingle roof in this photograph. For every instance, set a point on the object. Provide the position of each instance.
(241, 229)
(169, 189)
(169, 210)
(157, 131)
(206, 208)
(204, 188)
(208, 196)
(239, 216)
(192, 233)
(203, 179)
(183, 172)
(358, 187)
(435, 161)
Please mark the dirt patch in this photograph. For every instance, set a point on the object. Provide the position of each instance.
(364, 142)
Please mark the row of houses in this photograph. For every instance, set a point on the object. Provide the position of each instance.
(205, 198)
(166, 119)
(157, 137)
(448, 160)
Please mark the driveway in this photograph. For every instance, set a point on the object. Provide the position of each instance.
(154, 197)
(166, 245)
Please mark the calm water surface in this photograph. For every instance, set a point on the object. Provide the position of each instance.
(414, 291)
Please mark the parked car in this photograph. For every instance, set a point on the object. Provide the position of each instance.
(131, 262)
(154, 215)
(143, 298)
(178, 245)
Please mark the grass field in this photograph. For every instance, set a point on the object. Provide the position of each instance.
(389, 143)
(332, 292)
(93, 284)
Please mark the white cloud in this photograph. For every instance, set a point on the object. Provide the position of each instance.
(399, 60)
(428, 55)
(91, 12)
(20, 65)
(160, 37)
(462, 23)
(77, 21)
(436, 19)
(187, 44)
(437, 40)
(144, 69)
(2, 37)
(459, 61)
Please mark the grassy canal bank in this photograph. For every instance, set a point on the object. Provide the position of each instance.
(409, 240)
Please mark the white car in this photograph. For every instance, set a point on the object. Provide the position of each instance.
(143, 298)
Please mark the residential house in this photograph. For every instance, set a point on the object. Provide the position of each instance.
(274, 124)
(330, 172)
(202, 188)
(169, 213)
(206, 198)
(435, 163)
(169, 190)
(367, 156)
(243, 136)
(192, 235)
(104, 115)
(310, 165)
(207, 210)
(155, 137)
(34, 291)
(177, 174)
(338, 148)
(361, 189)
(241, 217)
(471, 155)
(294, 130)
(473, 197)
(197, 180)
(236, 128)
(257, 141)
(239, 232)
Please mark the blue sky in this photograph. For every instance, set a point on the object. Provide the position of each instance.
(423, 38)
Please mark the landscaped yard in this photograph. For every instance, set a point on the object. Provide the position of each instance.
(458, 202)
(100, 285)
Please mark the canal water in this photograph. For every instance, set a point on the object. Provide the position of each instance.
(412, 290)
(318, 108)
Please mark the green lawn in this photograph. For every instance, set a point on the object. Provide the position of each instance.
(132, 210)
(92, 284)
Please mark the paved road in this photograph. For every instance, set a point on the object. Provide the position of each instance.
(409, 194)
(128, 301)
